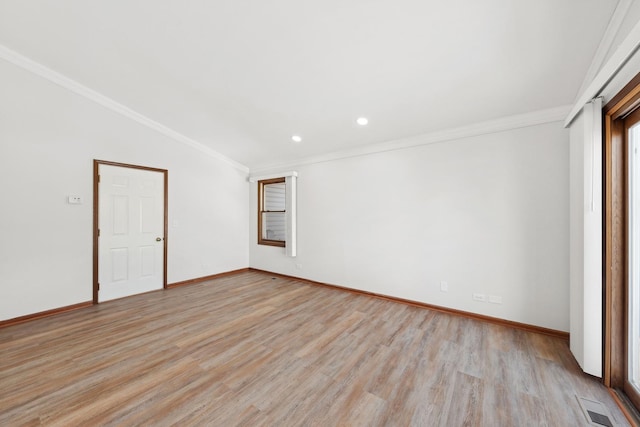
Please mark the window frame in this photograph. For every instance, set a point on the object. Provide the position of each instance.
(261, 211)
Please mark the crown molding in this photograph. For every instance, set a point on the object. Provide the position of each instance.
(482, 128)
(556, 114)
(620, 57)
(617, 18)
(79, 89)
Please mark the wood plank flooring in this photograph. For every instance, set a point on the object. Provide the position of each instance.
(254, 350)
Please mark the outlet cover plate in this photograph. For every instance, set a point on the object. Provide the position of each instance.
(495, 299)
(479, 297)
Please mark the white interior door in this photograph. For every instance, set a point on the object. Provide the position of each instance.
(131, 231)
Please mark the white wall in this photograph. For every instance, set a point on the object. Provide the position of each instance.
(48, 140)
(487, 214)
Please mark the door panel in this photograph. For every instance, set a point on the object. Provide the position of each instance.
(147, 261)
(149, 220)
(119, 264)
(131, 231)
(120, 215)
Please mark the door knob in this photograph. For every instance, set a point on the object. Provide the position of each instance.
(158, 239)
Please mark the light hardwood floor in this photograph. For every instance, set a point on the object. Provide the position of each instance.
(252, 350)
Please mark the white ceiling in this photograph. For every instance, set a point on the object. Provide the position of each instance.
(243, 76)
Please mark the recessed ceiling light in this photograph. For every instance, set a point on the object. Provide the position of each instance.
(296, 138)
(362, 121)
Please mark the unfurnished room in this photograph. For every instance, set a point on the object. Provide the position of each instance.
(320, 213)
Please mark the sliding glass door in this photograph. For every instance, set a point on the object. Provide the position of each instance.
(632, 380)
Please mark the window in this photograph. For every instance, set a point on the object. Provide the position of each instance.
(272, 202)
(277, 223)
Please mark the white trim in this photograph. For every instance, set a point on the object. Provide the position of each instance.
(556, 114)
(291, 240)
(605, 43)
(79, 89)
(256, 178)
(620, 57)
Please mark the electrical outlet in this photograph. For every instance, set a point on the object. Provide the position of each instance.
(495, 299)
(444, 286)
(74, 200)
(299, 266)
(479, 297)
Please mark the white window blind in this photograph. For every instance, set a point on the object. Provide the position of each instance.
(275, 222)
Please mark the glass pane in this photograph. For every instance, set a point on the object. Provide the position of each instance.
(274, 197)
(273, 226)
(634, 258)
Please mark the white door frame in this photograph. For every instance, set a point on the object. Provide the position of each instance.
(96, 222)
